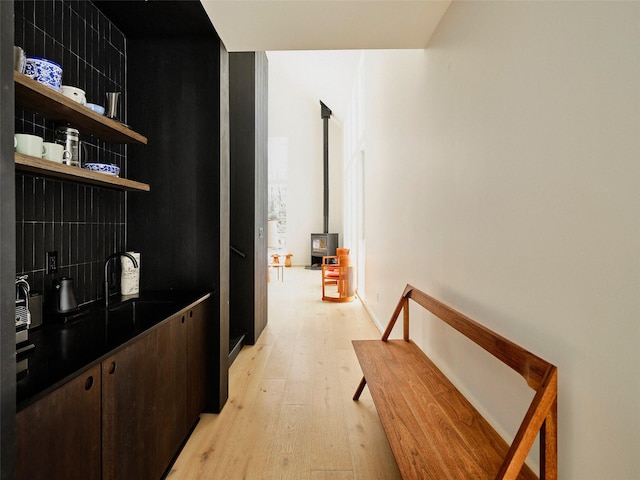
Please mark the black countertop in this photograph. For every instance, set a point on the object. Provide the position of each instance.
(64, 350)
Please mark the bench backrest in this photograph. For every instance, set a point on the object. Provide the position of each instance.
(539, 374)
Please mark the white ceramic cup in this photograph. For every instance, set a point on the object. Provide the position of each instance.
(53, 152)
(74, 93)
(19, 59)
(31, 145)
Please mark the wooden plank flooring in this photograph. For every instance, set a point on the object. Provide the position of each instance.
(290, 413)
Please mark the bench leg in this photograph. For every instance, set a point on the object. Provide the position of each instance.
(548, 445)
(360, 388)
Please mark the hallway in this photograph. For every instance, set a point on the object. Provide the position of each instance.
(290, 413)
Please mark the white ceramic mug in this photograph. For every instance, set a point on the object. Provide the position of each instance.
(19, 59)
(31, 145)
(53, 152)
(74, 93)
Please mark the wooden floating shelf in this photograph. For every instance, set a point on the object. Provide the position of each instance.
(47, 168)
(37, 98)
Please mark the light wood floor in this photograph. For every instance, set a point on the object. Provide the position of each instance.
(290, 413)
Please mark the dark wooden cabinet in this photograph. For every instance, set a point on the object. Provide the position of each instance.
(126, 417)
(58, 437)
(199, 364)
(128, 412)
(172, 424)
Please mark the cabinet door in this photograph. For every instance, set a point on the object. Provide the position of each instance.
(171, 390)
(199, 356)
(128, 412)
(58, 437)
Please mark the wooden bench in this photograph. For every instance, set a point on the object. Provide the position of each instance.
(433, 430)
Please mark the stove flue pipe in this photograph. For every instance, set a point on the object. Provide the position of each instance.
(325, 113)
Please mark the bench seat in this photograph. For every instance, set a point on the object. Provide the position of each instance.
(433, 430)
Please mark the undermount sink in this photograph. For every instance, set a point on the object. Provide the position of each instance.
(142, 309)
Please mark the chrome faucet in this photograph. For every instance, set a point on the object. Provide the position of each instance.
(106, 272)
(22, 285)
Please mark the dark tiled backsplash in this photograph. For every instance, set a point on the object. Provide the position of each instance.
(76, 35)
(83, 224)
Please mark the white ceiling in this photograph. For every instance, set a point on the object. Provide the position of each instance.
(261, 25)
(326, 75)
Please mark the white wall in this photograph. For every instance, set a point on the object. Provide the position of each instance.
(294, 119)
(503, 177)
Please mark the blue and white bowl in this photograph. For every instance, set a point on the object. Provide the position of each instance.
(103, 168)
(99, 109)
(44, 71)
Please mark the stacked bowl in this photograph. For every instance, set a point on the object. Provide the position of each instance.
(45, 72)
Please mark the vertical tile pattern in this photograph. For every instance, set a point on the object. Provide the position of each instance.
(83, 224)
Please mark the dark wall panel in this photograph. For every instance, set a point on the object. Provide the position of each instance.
(243, 178)
(7, 242)
(221, 392)
(248, 123)
(176, 224)
(262, 147)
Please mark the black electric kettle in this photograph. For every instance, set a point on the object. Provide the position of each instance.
(64, 295)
